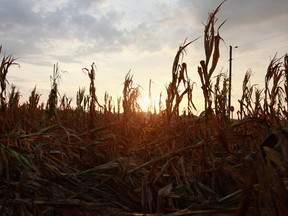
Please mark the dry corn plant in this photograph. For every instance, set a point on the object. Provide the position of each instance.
(119, 99)
(92, 91)
(250, 127)
(258, 109)
(285, 64)
(14, 98)
(12, 114)
(190, 105)
(211, 45)
(53, 95)
(160, 104)
(205, 70)
(6, 63)
(23, 117)
(245, 102)
(285, 69)
(273, 95)
(107, 103)
(80, 99)
(86, 102)
(130, 96)
(65, 103)
(34, 99)
(179, 78)
(220, 97)
(33, 102)
(34, 111)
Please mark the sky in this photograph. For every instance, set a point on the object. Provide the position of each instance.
(140, 36)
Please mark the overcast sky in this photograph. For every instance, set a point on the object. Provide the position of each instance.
(141, 35)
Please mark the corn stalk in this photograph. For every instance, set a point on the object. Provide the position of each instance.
(211, 45)
(6, 63)
(179, 78)
(65, 103)
(207, 67)
(220, 97)
(130, 96)
(246, 99)
(80, 98)
(53, 95)
(273, 95)
(92, 90)
(286, 77)
(107, 103)
(34, 99)
(14, 98)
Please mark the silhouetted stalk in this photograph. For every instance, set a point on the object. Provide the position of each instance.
(107, 103)
(92, 91)
(53, 95)
(245, 101)
(160, 103)
(211, 46)
(33, 104)
(6, 63)
(65, 103)
(34, 99)
(258, 111)
(268, 77)
(14, 98)
(80, 98)
(220, 97)
(118, 107)
(275, 74)
(150, 98)
(206, 68)
(130, 96)
(286, 78)
(86, 102)
(190, 97)
(179, 77)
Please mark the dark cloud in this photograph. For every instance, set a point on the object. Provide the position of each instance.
(255, 11)
(26, 31)
(249, 23)
(17, 13)
(244, 12)
(18, 27)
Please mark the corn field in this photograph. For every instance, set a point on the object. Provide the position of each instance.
(104, 159)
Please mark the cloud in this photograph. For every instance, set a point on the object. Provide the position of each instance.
(18, 27)
(158, 26)
(29, 29)
(249, 23)
(240, 12)
(69, 29)
(255, 12)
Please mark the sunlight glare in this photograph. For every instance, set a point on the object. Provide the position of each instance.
(144, 103)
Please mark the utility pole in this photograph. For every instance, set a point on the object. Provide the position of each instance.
(230, 80)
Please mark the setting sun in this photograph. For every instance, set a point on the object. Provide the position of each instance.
(146, 104)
